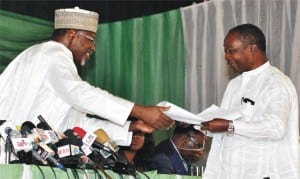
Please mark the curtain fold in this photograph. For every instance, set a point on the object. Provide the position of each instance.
(18, 32)
(141, 59)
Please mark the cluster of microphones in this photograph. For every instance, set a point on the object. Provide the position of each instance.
(74, 148)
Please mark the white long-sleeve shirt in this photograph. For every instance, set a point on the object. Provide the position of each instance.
(43, 80)
(265, 140)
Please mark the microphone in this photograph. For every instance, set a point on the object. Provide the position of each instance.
(25, 145)
(48, 154)
(41, 151)
(3, 127)
(43, 123)
(69, 146)
(89, 141)
(45, 136)
(10, 134)
(68, 150)
(75, 139)
(69, 154)
(98, 153)
(103, 138)
(26, 128)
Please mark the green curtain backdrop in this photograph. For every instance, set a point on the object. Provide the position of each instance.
(18, 32)
(142, 59)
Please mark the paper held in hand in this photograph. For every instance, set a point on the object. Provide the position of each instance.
(180, 114)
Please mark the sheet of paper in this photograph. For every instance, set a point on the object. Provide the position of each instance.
(216, 112)
(180, 114)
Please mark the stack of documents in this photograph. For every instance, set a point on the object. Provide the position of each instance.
(180, 114)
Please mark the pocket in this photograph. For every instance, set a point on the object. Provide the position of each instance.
(247, 109)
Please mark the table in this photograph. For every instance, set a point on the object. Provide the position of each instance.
(23, 171)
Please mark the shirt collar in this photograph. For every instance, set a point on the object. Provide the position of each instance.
(66, 50)
(257, 70)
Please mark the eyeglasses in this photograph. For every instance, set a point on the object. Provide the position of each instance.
(191, 137)
(92, 39)
(199, 146)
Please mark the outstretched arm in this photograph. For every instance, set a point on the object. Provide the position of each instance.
(153, 116)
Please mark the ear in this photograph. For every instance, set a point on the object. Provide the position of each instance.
(253, 48)
(71, 33)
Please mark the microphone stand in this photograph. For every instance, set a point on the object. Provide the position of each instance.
(8, 149)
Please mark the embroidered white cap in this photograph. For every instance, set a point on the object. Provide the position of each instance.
(76, 18)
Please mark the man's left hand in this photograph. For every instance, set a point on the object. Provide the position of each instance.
(215, 125)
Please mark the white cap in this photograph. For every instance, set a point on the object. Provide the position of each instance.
(75, 18)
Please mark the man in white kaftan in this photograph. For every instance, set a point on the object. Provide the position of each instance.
(264, 142)
(43, 80)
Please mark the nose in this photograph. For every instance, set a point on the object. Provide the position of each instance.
(227, 57)
(92, 49)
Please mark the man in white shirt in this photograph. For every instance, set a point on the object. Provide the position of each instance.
(263, 143)
(43, 80)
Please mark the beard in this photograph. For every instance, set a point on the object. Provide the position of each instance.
(84, 59)
(82, 63)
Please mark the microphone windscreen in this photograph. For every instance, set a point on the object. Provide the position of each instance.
(42, 125)
(62, 142)
(73, 138)
(81, 132)
(26, 127)
(42, 120)
(4, 127)
(102, 137)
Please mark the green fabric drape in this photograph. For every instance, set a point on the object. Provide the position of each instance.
(141, 59)
(18, 32)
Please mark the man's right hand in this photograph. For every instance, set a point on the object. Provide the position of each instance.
(139, 125)
(153, 116)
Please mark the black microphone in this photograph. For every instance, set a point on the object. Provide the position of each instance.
(69, 151)
(45, 124)
(48, 154)
(34, 157)
(26, 128)
(75, 139)
(8, 143)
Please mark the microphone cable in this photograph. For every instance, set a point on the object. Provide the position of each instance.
(84, 172)
(103, 171)
(144, 174)
(95, 169)
(53, 172)
(121, 175)
(41, 171)
(74, 172)
(66, 170)
(98, 174)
